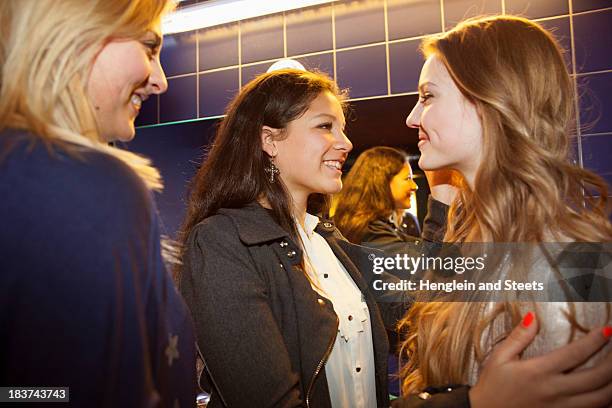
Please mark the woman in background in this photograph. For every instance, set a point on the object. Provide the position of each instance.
(371, 206)
(85, 300)
(496, 104)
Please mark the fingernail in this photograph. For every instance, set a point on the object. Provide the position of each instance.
(528, 319)
(607, 332)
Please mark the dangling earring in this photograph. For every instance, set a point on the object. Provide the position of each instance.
(272, 170)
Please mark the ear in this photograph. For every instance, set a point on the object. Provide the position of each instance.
(268, 140)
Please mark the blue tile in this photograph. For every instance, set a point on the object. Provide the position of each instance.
(262, 38)
(359, 22)
(584, 5)
(409, 18)
(405, 62)
(596, 154)
(309, 30)
(595, 103)
(176, 150)
(148, 112)
(458, 10)
(251, 71)
(319, 62)
(178, 54)
(593, 41)
(218, 46)
(574, 154)
(216, 90)
(560, 28)
(537, 9)
(363, 71)
(179, 102)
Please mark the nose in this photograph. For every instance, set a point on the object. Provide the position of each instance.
(344, 143)
(157, 80)
(413, 185)
(414, 118)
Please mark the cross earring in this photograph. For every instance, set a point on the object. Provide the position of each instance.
(272, 170)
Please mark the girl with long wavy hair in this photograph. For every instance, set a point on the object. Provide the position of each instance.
(497, 104)
(376, 191)
(85, 299)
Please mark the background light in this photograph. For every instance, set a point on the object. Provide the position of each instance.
(217, 12)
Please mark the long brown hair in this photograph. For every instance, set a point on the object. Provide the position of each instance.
(525, 190)
(366, 192)
(233, 175)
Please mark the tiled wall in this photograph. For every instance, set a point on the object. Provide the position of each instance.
(370, 47)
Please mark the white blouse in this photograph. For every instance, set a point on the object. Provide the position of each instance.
(350, 367)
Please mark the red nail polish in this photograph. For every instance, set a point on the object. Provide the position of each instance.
(607, 332)
(528, 319)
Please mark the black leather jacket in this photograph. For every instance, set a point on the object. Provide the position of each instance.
(263, 332)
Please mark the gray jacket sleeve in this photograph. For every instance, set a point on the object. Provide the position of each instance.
(240, 341)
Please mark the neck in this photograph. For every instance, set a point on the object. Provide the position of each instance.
(398, 216)
(300, 203)
(469, 178)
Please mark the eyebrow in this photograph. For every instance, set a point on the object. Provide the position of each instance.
(424, 84)
(327, 115)
(157, 40)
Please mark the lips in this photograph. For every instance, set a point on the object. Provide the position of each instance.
(334, 164)
(423, 138)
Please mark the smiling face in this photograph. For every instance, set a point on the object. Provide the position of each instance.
(450, 130)
(123, 75)
(402, 185)
(311, 155)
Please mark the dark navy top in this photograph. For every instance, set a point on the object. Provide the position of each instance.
(85, 299)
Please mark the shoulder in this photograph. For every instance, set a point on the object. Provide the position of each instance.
(379, 228)
(216, 228)
(82, 180)
(51, 199)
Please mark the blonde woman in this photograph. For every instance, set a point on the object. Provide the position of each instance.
(85, 301)
(496, 104)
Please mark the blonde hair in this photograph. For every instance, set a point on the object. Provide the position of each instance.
(47, 49)
(526, 189)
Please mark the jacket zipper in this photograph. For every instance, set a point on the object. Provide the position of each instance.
(211, 377)
(322, 362)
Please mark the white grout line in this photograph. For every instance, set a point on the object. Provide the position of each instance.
(605, 71)
(368, 98)
(503, 10)
(182, 75)
(598, 134)
(158, 109)
(239, 55)
(591, 11)
(386, 14)
(197, 75)
(333, 16)
(574, 79)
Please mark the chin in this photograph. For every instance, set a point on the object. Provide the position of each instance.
(127, 135)
(428, 165)
(332, 188)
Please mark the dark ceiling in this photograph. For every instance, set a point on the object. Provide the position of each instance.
(382, 121)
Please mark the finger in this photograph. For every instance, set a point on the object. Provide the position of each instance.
(589, 379)
(573, 354)
(600, 398)
(520, 337)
